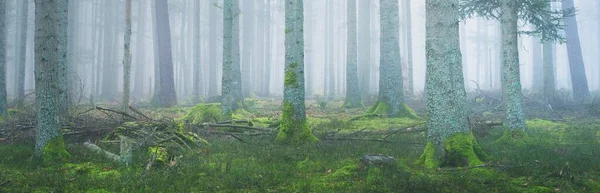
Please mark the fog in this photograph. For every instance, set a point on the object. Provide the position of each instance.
(96, 30)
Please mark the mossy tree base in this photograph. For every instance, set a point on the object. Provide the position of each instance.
(53, 153)
(512, 138)
(458, 150)
(353, 104)
(383, 108)
(292, 130)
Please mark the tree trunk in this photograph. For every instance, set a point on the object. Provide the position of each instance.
(140, 65)
(166, 93)
(212, 65)
(49, 144)
(391, 91)
(236, 84)
(294, 128)
(197, 51)
(226, 85)
(538, 66)
(352, 88)
(108, 67)
(127, 57)
(449, 139)
(20, 91)
(578, 76)
(63, 85)
(248, 47)
(267, 67)
(364, 45)
(409, 57)
(3, 102)
(510, 67)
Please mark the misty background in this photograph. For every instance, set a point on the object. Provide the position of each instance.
(96, 28)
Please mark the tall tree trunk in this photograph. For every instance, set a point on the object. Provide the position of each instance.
(226, 91)
(294, 127)
(464, 50)
(236, 85)
(331, 51)
(20, 92)
(166, 93)
(108, 67)
(3, 101)
(578, 76)
(409, 57)
(156, 53)
(267, 67)
(140, 65)
(212, 65)
(247, 61)
(49, 144)
(537, 64)
(352, 88)
(63, 70)
(391, 92)
(513, 105)
(197, 51)
(364, 46)
(449, 139)
(127, 57)
(549, 73)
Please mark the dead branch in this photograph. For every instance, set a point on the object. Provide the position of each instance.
(406, 129)
(107, 154)
(234, 122)
(117, 112)
(374, 140)
(236, 126)
(4, 183)
(139, 113)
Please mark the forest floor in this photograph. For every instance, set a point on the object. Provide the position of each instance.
(561, 153)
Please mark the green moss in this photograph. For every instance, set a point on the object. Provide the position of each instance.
(55, 152)
(160, 153)
(428, 158)
(513, 138)
(460, 150)
(291, 78)
(203, 113)
(293, 131)
(382, 108)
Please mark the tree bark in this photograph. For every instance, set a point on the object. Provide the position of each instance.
(352, 87)
(364, 46)
(513, 104)
(20, 91)
(140, 64)
(576, 65)
(49, 144)
(197, 53)
(449, 139)
(127, 57)
(166, 93)
(294, 128)
(3, 102)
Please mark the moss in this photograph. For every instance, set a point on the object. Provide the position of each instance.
(428, 158)
(55, 152)
(203, 113)
(291, 78)
(160, 153)
(383, 108)
(514, 138)
(293, 131)
(460, 150)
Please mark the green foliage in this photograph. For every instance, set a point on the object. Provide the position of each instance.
(55, 152)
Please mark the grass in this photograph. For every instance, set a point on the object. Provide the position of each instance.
(228, 165)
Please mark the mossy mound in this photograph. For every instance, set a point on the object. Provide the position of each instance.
(55, 152)
(292, 130)
(204, 113)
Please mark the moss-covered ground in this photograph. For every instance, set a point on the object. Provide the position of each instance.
(556, 156)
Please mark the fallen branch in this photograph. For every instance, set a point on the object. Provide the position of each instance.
(236, 126)
(472, 167)
(371, 115)
(407, 129)
(139, 113)
(117, 112)
(234, 122)
(374, 140)
(107, 154)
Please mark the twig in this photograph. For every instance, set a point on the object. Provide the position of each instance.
(234, 122)
(236, 126)
(407, 127)
(375, 140)
(115, 111)
(139, 113)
